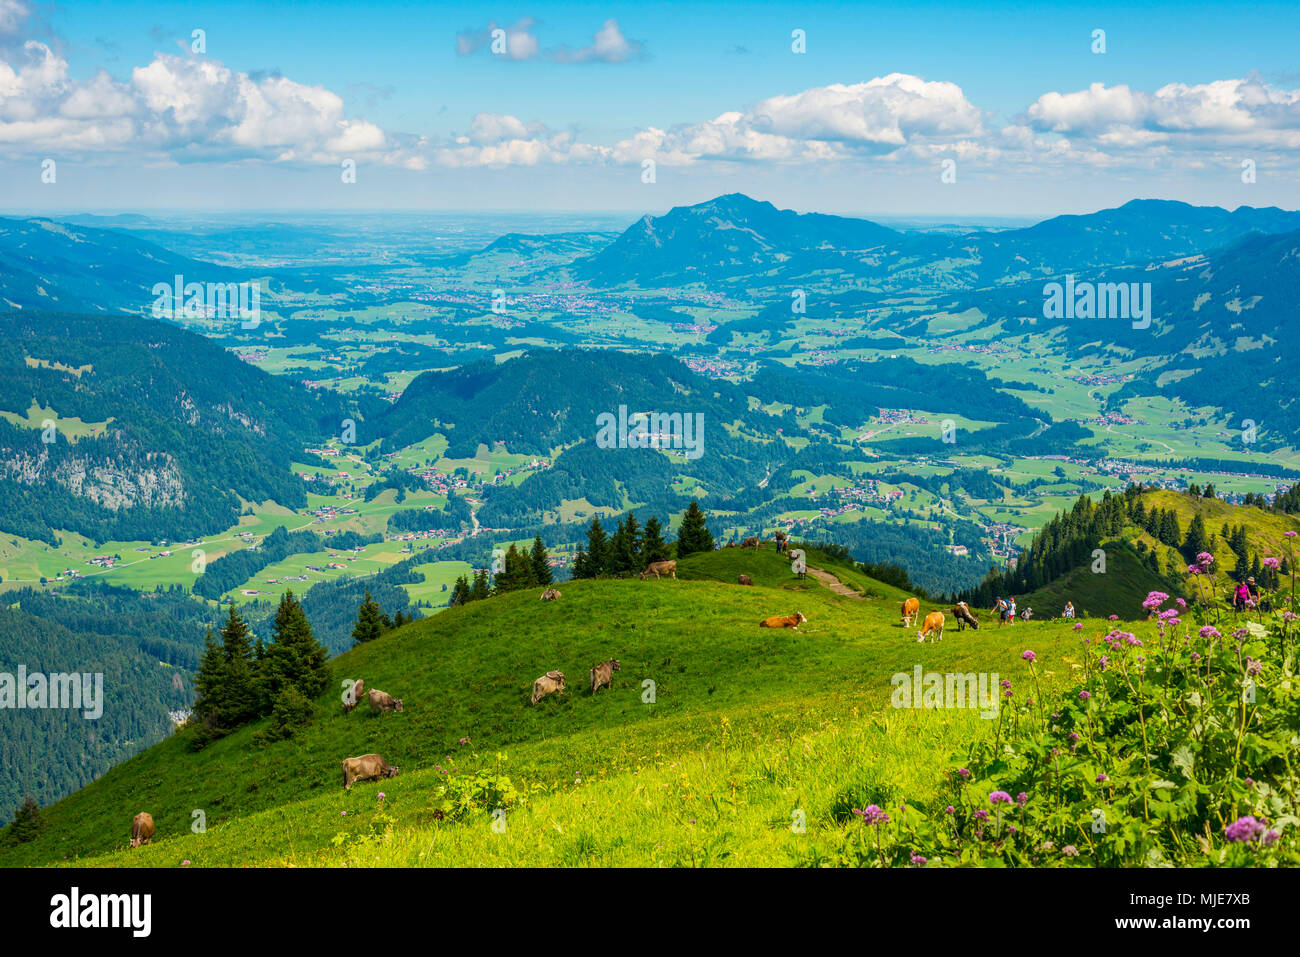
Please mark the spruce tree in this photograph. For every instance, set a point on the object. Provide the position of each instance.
(294, 658)
(597, 551)
(460, 593)
(693, 535)
(541, 562)
(653, 546)
(480, 589)
(369, 624)
(209, 680)
(27, 823)
(239, 700)
(1196, 540)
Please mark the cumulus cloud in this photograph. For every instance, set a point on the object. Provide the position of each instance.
(1223, 114)
(609, 45)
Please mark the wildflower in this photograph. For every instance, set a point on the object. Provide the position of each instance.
(381, 795)
(1289, 534)
(1154, 600)
(1112, 618)
(1104, 662)
(950, 810)
(964, 772)
(1253, 667)
(1085, 695)
(1101, 778)
(1205, 558)
(1181, 603)
(1078, 626)
(1244, 829)
(1070, 850)
(1048, 846)
(1005, 683)
(871, 814)
(1029, 656)
(185, 863)
(1195, 570)
(918, 860)
(1209, 631)
(999, 797)
(1022, 798)
(1273, 563)
(982, 815)
(1074, 737)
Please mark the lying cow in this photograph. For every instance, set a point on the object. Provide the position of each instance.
(602, 675)
(383, 701)
(551, 594)
(660, 568)
(745, 580)
(141, 829)
(750, 542)
(368, 767)
(548, 684)
(933, 624)
(788, 621)
(353, 695)
(911, 608)
(961, 611)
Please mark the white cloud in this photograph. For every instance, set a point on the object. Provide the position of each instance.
(609, 45)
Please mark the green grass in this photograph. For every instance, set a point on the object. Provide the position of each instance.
(747, 726)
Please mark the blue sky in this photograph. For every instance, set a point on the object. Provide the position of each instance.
(1012, 95)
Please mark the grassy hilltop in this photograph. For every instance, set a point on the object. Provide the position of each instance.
(748, 725)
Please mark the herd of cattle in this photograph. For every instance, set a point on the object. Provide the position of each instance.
(372, 767)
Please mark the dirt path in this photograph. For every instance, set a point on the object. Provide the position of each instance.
(834, 584)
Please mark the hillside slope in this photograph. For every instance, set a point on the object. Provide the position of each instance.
(720, 682)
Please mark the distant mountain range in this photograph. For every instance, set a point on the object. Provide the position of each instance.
(735, 237)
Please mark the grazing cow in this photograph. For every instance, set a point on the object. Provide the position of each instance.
(551, 594)
(933, 623)
(549, 683)
(660, 568)
(383, 701)
(745, 580)
(750, 542)
(911, 608)
(961, 611)
(141, 829)
(368, 767)
(602, 675)
(353, 695)
(788, 621)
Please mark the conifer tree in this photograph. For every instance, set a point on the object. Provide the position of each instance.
(460, 593)
(541, 563)
(369, 624)
(480, 588)
(597, 552)
(27, 823)
(239, 699)
(693, 535)
(209, 679)
(294, 658)
(653, 546)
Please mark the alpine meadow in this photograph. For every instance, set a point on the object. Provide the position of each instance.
(650, 435)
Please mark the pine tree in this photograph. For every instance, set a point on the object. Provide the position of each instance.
(294, 658)
(653, 546)
(460, 593)
(480, 589)
(27, 823)
(625, 553)
(369, 624)
(1196, 540)
(239, 700)
(209, 680)
(541, 562)
(693, 535)
(596, 554)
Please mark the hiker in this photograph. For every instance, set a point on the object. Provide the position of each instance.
(1242, 596)
(1011, 612)
(1069, 609)
(1001, 608)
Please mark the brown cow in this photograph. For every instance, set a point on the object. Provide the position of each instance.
(961, 611)
(789, 621)
(602, 675)
(745, 580)
(368, 767)
(551, 594)
(660, 568)
(933, 623)
(353, 696)
(141, 829)
(750, 542)
(383, 701)
(911, 608)
(549, 683)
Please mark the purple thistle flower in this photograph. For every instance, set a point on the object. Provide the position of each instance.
(999, 797)
(1244, 829)
(1029, 656)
